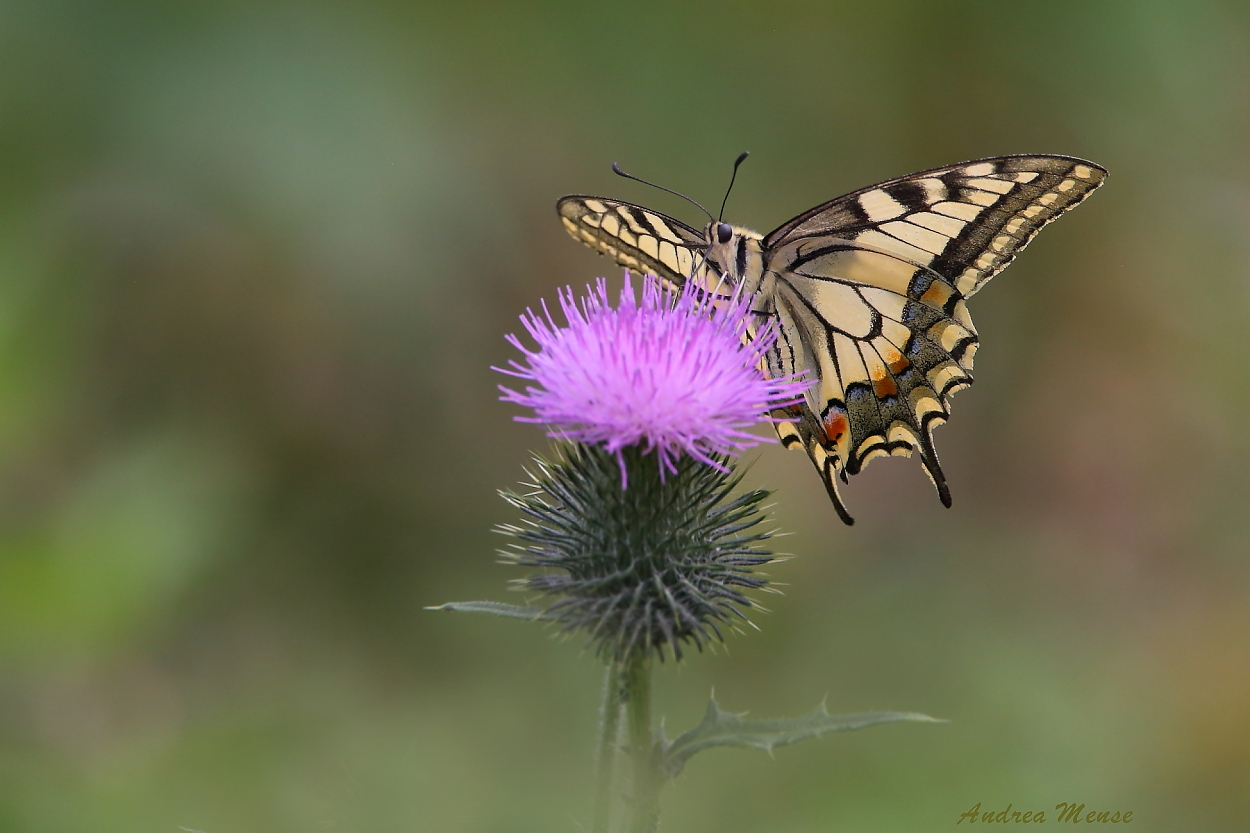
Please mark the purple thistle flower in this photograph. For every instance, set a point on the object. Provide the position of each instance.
(671, 375)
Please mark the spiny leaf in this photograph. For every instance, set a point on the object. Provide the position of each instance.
(720, 728)
(495, 609)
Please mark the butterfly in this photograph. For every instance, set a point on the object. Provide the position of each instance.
(867, 292)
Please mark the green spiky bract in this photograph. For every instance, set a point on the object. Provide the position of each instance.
(648, 568)
(641, 572)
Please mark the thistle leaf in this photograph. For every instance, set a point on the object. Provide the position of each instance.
(495, 609)
(720, 728)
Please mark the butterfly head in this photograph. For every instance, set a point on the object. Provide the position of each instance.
(735, 253)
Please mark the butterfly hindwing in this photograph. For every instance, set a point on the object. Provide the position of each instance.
(882, 385)
(867, 293)
(887, 270)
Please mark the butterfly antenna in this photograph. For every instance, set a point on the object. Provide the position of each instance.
(741, 158)
(616, 169)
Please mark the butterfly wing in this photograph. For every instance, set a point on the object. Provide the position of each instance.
(886, 370)
(633, 236)
(869, 294)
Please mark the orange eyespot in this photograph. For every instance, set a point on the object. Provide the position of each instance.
(835, 426)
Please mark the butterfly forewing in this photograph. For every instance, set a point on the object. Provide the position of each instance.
(633, 236)
(966, 221)
(867, 293)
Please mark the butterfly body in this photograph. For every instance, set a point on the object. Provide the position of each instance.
(867, 292)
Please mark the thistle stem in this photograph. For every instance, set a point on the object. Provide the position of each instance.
(609, 730)
(646, 782)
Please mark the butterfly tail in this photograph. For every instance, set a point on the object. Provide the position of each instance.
(830, 475)
(802, 435)
(928, 456)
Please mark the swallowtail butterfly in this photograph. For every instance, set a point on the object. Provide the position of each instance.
(868, 292)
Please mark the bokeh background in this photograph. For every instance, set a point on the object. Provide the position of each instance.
(256, 260)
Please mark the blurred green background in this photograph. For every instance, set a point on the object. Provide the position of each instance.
(256, 261)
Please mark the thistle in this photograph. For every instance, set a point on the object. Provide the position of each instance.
(672, 375)
(641, 540)
(665, 388)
